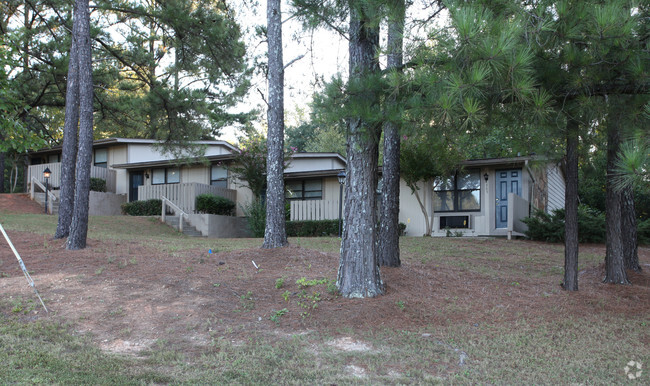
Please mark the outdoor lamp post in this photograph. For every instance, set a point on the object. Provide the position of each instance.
(341, 177)
(46, 175)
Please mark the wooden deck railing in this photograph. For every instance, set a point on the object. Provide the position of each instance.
(36, 171)
(183, 195)
(314, 210)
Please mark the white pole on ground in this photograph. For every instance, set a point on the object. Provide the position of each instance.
(22, 266)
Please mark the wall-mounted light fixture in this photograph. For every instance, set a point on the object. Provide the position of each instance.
(486, 177)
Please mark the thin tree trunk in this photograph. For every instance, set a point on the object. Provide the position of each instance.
(2, 172)
(358, 274)
(389, 216)
(614, 265)
(70, 132)
(79, 225)
(628, 227)
(571, 209)
(275, 234)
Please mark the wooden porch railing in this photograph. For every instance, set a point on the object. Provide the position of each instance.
(314, 210)
(50, 195)
(183, 195)
(36, 171)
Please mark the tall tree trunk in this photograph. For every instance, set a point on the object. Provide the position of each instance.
(79, 225)
(628, 227)
(389, 216)
(70, 132)
(614, 265)
(275, 234)
(571, 209)
(358, 274)
(2, 171)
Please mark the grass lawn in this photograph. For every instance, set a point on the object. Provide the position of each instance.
(146, 305)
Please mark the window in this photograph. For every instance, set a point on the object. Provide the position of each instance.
(304, 189)
(101, 158)
(219, 176)
(458, 193)
(165, 176)
(53, 158)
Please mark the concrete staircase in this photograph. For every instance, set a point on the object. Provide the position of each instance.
(188, 229)
(40, 199)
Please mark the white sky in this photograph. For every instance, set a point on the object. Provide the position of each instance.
(325, 54)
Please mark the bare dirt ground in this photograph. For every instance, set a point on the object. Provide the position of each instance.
(127, 295)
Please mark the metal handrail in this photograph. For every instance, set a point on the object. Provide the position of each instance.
(49, 193)
(176, 209)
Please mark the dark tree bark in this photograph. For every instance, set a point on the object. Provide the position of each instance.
(70, 129)
(614, 265)
(628, 227)
(389, 216)
(2, 171)
(571, 209)
(275, 234)
(79, 225)
(358, 274)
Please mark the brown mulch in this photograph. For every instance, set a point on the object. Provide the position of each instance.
(127, 295)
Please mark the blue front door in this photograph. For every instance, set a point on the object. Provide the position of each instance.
(507, 181)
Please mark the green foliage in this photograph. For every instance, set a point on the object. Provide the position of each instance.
(143, 208)
(97, 184)
(213, 204)
(304, 283)
(276, 315)
(312, 228)
(401, 228)
(279, 283)
(643, 232)
(255, 212)
(545, 227)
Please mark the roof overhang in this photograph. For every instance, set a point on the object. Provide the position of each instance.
(496, 161)
(174, 162)
(313, 174)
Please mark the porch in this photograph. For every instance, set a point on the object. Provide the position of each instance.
(36, 172)
(183, 195)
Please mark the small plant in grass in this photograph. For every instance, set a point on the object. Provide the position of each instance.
(308, 302)
(133, 261)
(246, 301)
(275, 316)
(216, 285)
(331, 288)
(279, 283)
(99, 270)
(304, 283)
(401, 305)
(286, 295)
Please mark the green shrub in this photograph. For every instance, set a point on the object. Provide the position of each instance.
(213, 204)
(401, 228)
(545, 227)
(143, 208)
(256, 214)
(312, 228)
(97, 184)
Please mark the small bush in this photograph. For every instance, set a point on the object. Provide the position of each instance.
(97, 184)
(213, 204)
(143, 208)
(401, 228)
(256, 214)
(312, 228)
(545, 227)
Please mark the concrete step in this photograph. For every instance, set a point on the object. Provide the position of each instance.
(188, 229)
(40, 199)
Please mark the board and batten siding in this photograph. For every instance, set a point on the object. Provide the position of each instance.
(555, 188)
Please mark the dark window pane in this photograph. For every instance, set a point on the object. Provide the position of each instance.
(469, 200)
(469, 180)
(443, 201)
